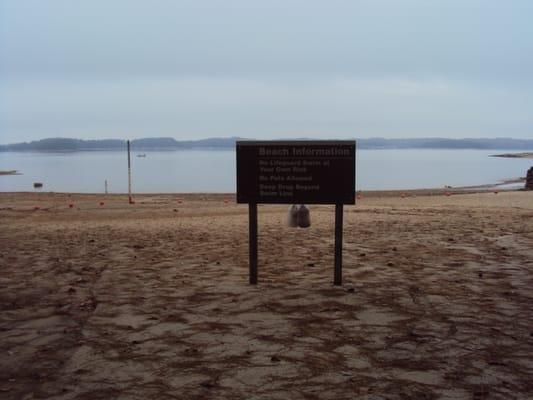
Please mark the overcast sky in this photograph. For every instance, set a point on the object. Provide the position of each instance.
(265, 69)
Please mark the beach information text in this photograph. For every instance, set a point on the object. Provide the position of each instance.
(296, 172)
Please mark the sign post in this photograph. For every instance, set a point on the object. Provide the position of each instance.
(252, 216)
(129, 174)
(337, 275)
(296, 172)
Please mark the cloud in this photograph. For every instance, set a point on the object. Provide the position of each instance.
(451, 39)
(275, 68)
(200, 107)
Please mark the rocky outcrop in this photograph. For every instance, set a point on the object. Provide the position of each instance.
(529, 179)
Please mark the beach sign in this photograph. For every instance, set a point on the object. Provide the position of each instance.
(295, 172)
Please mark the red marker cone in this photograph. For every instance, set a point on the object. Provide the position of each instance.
(70, 205)
(447, 193)
(101, 203)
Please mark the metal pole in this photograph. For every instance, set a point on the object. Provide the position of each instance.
(105, 183)
(129, 174)
(252, 212)
(337, 278)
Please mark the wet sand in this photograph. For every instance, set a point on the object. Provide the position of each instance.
(151, 300)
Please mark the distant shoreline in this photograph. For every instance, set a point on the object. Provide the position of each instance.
(482, 188)
(514, 155)
(10, 172)
(505, 184)
(169, 144)
(147, 150)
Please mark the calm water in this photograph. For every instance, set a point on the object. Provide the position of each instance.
(214, 170)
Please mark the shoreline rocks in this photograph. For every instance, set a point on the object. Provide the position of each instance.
(529, 179)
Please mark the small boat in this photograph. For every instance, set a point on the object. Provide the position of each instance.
(141, 155)
(37, 185)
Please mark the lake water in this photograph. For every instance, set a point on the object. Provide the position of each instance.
(214, 170)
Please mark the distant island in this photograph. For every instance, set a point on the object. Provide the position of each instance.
(515, 155)
(167, 143)
(10, 172)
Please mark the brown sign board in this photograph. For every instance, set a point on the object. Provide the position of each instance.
(296, 172)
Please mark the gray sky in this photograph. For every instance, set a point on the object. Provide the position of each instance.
(265, 68)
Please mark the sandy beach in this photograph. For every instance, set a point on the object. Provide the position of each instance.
(100, 299)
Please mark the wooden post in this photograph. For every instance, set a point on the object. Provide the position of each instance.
(252, 211)
(129, 174)
(337, 278)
